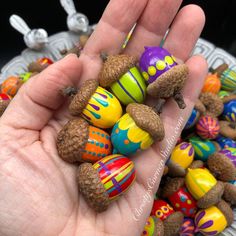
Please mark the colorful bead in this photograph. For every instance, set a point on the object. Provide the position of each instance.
(130, 87)
(228, 80)
(154, 62)
(192, 120)
(4, 97)
(117, 174)
(98, 145)
(223, 94)
(187, 228)
(208, 127)
(25, 76)
(103, 109)
(229, 112)
(44, 61)
(11, 85)
(202, 148)
(230, 153)
(149, 228)
(210, 221)
(161, 209)
(199, 182)
(127, 138)
(212, 84)
(225, 142)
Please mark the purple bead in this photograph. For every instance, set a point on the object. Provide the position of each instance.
(230, 153)
(154, 62)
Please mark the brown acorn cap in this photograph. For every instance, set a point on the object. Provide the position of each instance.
(196, 164)
(72, 139)
(3, 106)
(228, 98)
(83, 39)
(91, 187)
(175, 170)
(81, 99)
(212, 197)
(221, 167)
(159, 227)
(35, 67)
(169, 83)
(147, 119)
(227, 129)
(171, 186)
(166, 170)
(114, 67)
(230, 193)
(225, 208)
(213, 103)
(173, 223)
(199, 106)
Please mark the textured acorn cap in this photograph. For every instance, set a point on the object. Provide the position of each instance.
(171, 186)
(114, 67)
(213, 103)
(212, 197)
(159, 227)
(36, 67)
(221, 167)
(80, 100)
(196, 164)
(147, 119)
(229, 98)
(230, 193)
(199, 106)
(227, 129)
(72, 139)
(224, 207)
(175, 170)
(91, 187)
(3, 106)
(169, 83)
(173, 223)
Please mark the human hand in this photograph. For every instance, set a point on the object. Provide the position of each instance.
(39, 194)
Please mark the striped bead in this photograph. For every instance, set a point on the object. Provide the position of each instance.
(130, 87)
(228, 80)
(117, 174)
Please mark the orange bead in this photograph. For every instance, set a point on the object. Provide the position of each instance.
(11, 85)
(212, 84)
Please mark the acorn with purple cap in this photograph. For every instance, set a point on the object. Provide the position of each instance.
(165, 77)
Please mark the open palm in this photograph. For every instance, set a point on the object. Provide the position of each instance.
(38, 191)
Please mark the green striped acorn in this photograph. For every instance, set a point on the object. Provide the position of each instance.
(122, 76)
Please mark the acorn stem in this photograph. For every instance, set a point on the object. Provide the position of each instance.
(103, 56)
(178, 97)
(220, 69)
(69, 91)
(158, 107)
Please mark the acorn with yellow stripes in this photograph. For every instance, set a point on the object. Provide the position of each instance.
(204, 187)
(121, 74)
(105, 181)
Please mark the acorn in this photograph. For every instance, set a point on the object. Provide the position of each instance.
(204, 187)
(165, 77)
(137, 129)
(230, 192)
(222, 164)
(4, 102)
(172, 220)
(179, 197)
(121, 75)
(153, 227)
(95, 104)
(208, 127)
(229, 112)
(228, 129)
(225, 142)
(11, 85)
(80, 142)
(212, 84)
(228, 80)
(215, 219)
(180, 159)
(39, 65)
(105, 181)
(187, 228)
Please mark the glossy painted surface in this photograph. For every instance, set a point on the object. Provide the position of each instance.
(192, 119)
(223, 93)
(212, 84)
(182, 154)
(117, 174)
(229, 112)
(149, 228)
(127, 138)
(25, 76)
(44, 61)
(202, 148)
(103, 109)
(199, 182)
(228, 80)
(4, 97)
(184, 202)
(130, 87)
(187, 228)
(11, 85)
(225, 142)
(98, 145)
(154, 62)
(208, 127)
(161, 209)
(210, 221)
(230, 153)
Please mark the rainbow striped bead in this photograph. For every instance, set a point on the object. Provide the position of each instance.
(229, 112)
(117, 174)
(228, 80)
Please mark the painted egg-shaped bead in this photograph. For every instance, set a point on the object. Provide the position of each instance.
(229, 112)
(11, 85)
(225, 142)
(105, 181)
(25, 76)
(154, 62)
(192, 120)
(153, 227)
(162, 209)
(4, 97)
(228, 80)
(208, 127)
(187, 228)
(212, 84)
(223, 93)
(44, 61)
(202, 148)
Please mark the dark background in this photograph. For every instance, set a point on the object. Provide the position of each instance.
(48, 14)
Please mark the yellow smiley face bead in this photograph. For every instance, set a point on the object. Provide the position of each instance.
(203, 187)
(95, 104)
